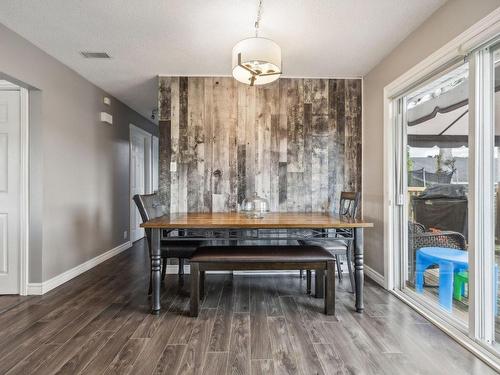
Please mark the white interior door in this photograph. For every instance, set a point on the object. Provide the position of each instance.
(9, 190)
(140, 176)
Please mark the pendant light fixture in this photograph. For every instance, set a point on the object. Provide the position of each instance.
(256, 61)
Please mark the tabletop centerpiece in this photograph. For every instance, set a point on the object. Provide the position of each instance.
(254, 207)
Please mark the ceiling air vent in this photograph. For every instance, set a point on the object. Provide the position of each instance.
(95, 55)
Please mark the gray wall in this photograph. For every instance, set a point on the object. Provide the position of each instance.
(79, 166)
(446, 23)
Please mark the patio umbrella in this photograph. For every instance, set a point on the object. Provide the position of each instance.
(443, 120)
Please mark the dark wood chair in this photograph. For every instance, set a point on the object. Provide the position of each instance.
(285, 257)
(349, 203)
(150, 207)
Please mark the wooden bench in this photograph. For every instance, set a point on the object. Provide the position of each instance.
(232, 258)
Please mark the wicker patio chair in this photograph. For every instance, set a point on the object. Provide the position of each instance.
(419, 237)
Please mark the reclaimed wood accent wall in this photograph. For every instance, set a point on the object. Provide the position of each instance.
(296, 142)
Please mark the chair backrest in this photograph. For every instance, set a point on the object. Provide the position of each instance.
(415, 228)
(416, 177)
(349, 203)
(149, 207)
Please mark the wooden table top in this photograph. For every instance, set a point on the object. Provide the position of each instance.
(272, 220)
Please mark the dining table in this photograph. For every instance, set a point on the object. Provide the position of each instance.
(236, 226)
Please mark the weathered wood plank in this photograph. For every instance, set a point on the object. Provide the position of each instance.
(175, 157)
(232, 124)
(283, 118)
(164, 98)
(310, 174)
(295, 126)
(283, 186)
(209, 144)
(250, 133)
(223, 94)
(195, 152)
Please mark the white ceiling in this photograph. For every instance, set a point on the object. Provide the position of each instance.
(146, 38)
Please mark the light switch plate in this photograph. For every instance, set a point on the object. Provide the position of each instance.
(173, 166)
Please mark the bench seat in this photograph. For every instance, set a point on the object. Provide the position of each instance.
(287, 257)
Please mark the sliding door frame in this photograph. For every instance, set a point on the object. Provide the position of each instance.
(480, 330)
(482, 212)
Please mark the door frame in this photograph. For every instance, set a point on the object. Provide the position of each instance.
(24, 206)
(148, 166)
(24, 185)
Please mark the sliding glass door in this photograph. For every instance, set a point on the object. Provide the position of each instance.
(434, 192)
(447, 194)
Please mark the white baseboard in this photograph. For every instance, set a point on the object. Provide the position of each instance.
(34, 289)
(46, 286)
(374, 275)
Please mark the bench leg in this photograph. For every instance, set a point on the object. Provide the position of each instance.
(319, 283)
(308, 281)
(195, 289)
(202, 284)
(330, 288)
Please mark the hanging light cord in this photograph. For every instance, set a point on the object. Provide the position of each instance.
(257, 20)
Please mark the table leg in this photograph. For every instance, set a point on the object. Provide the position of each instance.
(195, 289)
(358, 268)
(446, 285)
(155, 270)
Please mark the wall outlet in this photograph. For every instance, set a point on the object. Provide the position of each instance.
(125, 235)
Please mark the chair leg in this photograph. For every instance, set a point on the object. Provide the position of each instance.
(351, 271)
(330, 288)
(301, 273)
(308, 281)
(164, 262)
(320, 283)
(195, 289)
(150, 289)
(202, 284)
(339, 266)
(181, 266)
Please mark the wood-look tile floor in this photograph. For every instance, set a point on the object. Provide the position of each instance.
(100, 323)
